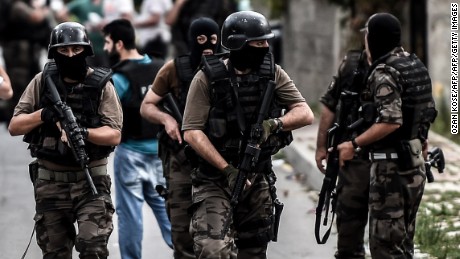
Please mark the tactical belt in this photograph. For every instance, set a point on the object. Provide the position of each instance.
(383, 156)
(69, 176)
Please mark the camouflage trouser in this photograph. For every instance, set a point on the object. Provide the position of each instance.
(59, 205)
(394, 199)
(251, 229)
(177, 169)
(352, 208)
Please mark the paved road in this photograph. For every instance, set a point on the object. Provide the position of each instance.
(296, 239)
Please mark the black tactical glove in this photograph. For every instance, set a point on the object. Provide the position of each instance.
(49, 115)
(269, 126)
(231, 173)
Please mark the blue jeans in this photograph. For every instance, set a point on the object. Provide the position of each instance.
(136, 175)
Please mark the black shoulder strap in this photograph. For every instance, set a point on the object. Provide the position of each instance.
(51, 69)
(214, 68)
(184, 68)
(99, 77)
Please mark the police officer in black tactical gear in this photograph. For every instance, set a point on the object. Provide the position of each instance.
(224, 118)
(62, 189)
(168, 94)
(399, 88)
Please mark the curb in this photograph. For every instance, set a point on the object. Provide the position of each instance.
(301, 155)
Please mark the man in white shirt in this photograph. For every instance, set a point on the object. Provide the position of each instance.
(152, 32)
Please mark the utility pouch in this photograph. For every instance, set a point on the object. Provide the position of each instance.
(410, 154)
(217, 127)
(33, 171)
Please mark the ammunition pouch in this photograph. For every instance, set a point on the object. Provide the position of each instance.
(33, 171)
(217, 124)
(410, 154)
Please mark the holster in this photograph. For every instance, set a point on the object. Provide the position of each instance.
(33, 171)
(276, 222)
(410, 154)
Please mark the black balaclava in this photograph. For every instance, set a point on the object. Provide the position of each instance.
(248, 57)
(73, 67)
(384, 34)
(202, 26)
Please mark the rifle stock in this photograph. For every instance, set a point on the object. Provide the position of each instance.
(73, 132)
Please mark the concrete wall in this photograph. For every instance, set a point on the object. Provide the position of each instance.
(439, 45)
(313, 43)
(310, 46)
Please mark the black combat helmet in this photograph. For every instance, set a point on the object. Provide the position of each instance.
(67, 34)
(244, 26)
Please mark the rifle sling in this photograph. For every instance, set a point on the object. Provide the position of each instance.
(318, 220)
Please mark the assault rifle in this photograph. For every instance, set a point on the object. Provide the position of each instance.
(328, 196)
(72, 130)
(251, 155)
(171, 107)
(436, 160)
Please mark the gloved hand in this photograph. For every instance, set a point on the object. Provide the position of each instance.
(231, 173)
(49, 115)
(269, 126)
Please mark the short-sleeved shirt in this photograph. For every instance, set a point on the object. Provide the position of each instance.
(167, 80)
(386, 92)
(198, 99)
(149, 8)
(114, 9)
(109, 107)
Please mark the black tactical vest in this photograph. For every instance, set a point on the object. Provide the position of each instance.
(418, 107)
(235, 102)
(185, 73)
(84, 100)
(140, 77)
